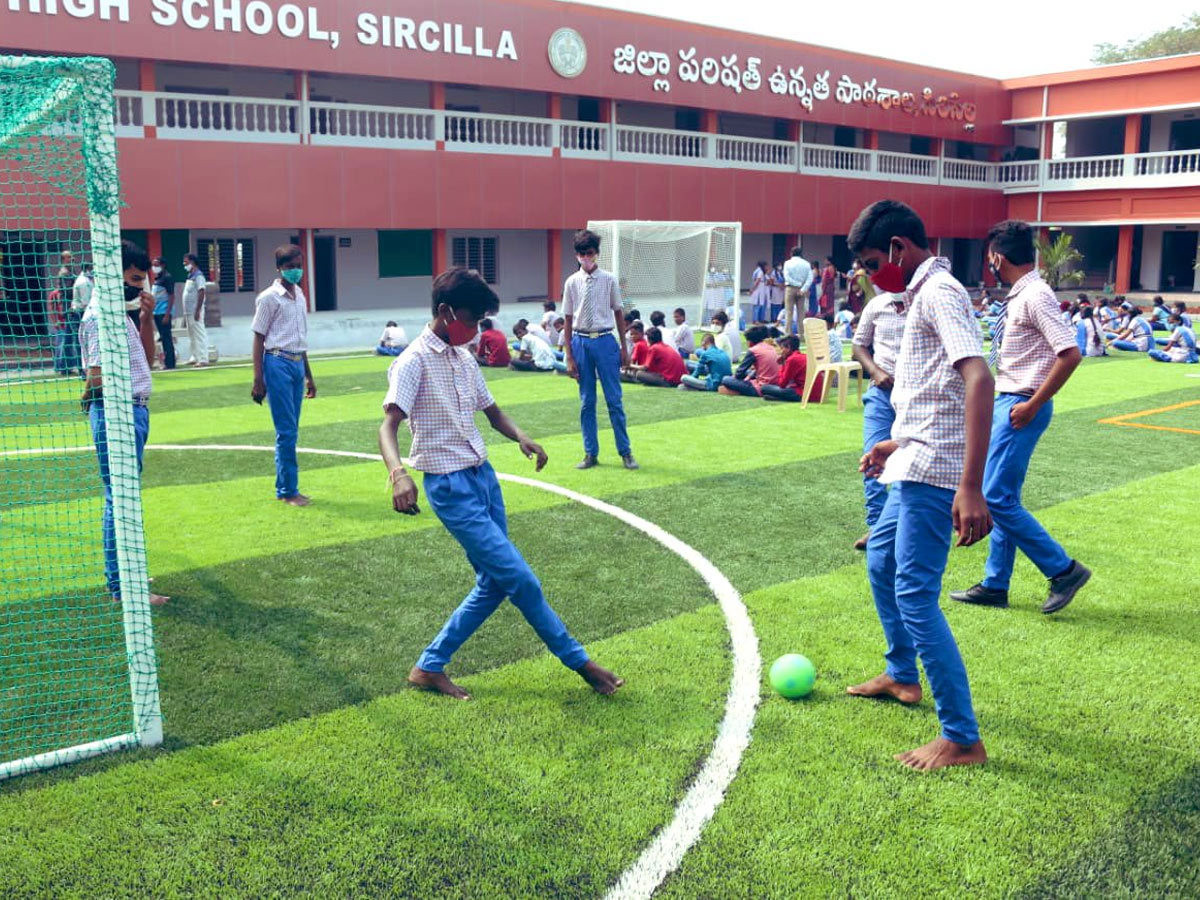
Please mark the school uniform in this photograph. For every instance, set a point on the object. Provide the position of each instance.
(283, 323)
(880, 329)
(683, 339)
(712, 366)
(196, 330)
(835, 346)
(493, 348)
(593, 301)
(910, 542)
(1032, 338)
(1141, 340)
(760, 295)
(789, 383)
(1090, 338)
(1182, 351)
(439, 388)
(664, 366)
(140, 388)
(541, 355)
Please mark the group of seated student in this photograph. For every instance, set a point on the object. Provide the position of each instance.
(534, 352)
(653, 361)
(773, 370)
(1181, 345)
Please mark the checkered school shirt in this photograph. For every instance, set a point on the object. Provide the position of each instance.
(930, 395)
(439, 389)
(89, 345)
(880, 327)
(1034, 335)
(282, 321)
(603, 301)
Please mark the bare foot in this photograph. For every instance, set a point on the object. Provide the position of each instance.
(296, 500)
(883, 686)
(438, 682)
(601, 680)
(939, 753)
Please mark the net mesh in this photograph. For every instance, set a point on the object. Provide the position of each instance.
(77, 668)
(669, 265)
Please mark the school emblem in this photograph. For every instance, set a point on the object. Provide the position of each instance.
(568, 53)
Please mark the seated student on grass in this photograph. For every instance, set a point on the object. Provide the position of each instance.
(683, 338)
(438, 389)
(393, 341)
(1104, 315)
(759, 366)
(726, 336)
(835, 340)
(533, 353)
(789, 383)
(1184, 318)
(1136, 336)
(712, 365)
(639, 349)
(1089, 335)
(1181, 347)
(493, 346)
(1158, 315)
(549, 315)
(559, 348)
(658, 319)
(664, 366)
(844, 318)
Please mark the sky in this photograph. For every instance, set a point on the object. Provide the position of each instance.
(999, 40)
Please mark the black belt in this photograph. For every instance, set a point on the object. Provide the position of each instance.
(1016, 394)
(284, 354)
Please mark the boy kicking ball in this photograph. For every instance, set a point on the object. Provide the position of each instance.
(437, 386)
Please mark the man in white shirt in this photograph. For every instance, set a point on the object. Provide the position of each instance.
(194, 296)
(682, 337)
(393, 340)
(535, 354)
(798, 276)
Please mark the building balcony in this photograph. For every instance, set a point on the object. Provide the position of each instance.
(175, 116)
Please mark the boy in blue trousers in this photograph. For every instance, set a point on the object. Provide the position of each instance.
(934, 463)
(437, 386)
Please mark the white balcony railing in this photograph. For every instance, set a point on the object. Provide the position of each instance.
(253, 119)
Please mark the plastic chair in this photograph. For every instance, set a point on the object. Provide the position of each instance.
(816, 341)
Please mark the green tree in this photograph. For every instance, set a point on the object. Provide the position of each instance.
(1057, 260)
(1172, 41)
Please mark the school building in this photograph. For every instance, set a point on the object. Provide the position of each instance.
(392, 138)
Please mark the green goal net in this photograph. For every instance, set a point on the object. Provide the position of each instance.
(77, 667)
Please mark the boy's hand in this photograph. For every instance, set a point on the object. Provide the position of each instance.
(1022, 414)
(882, 380)
(404, 495)
(532, 448)
(310, 388)
(259, 391)
(972, 521)
(874, 459)
(572, 369)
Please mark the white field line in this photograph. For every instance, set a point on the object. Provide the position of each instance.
(707, 790)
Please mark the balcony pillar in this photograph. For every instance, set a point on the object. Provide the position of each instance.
(308, 283)
(1124, 275)
(303, 124)
(554, 111)
(148, 82)
(1133, 132)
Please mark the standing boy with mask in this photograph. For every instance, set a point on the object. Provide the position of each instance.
(591, 313)
(934, 462)
(281, 371)
(195, 294)
(438, 388)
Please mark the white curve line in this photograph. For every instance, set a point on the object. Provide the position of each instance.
(665, 853)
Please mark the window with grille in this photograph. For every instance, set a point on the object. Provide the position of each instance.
(229, 262)
(477, 253)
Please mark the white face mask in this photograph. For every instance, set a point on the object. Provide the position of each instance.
(157, 270)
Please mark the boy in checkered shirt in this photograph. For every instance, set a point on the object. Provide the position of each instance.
(437, 386)
(934, 463)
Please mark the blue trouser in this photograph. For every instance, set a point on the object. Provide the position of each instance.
(906, 557)
(285, 392)
(141, 430)
(471, 506)
(383, 350)
(600, 357)
(878, 416)
(1013, 526)
(739, 386)
(1128, 346)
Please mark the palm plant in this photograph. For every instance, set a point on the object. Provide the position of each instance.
(1057, 261)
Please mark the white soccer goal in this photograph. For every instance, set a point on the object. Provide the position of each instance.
(78, 675)
(664, 265)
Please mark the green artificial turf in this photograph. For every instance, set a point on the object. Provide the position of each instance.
(296, 761)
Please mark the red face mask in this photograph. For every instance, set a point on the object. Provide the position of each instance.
(459, 333)
(889, 277)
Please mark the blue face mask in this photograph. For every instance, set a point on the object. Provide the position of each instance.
(292, 276)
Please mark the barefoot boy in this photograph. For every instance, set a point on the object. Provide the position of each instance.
(438, 388)
(934, 463)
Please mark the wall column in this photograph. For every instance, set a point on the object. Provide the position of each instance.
(1125, 254)
(441, 255)
(554, 266)
(308, 283)
(437, 102)
(303, 122)
(554, 111)
(1133, 132)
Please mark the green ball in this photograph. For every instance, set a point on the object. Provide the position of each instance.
(792, 675)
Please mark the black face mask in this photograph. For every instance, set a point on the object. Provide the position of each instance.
(132, 293)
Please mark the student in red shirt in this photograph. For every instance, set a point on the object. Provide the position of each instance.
(493, 346)
(789, 383)
(639, 350)
(664, 366)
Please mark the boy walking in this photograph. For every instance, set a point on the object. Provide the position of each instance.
(281, 370)
(1034, 352)
(438, 388)
(591, 314)
(934, 462)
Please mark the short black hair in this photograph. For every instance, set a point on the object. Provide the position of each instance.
(680, 311)
(1158, 300)
(192, 258)
(463, 288)
(484, 324)
(520, 325)
(1012, 239)
(1180, 305)
(790, 341)
(880, 222)
(654, 336)
(633, 314)
(796, 251)
(657, 317)
(86, 267)
(756, 334)
(134, 257)
(721, 316)
(637, 325)
(286, 253)
(1081, 296)
(586, 240)
(548, 306)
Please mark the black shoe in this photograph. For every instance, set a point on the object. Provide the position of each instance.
(1064, 587)
(630, 462)
(588, 462)
(982, 596)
